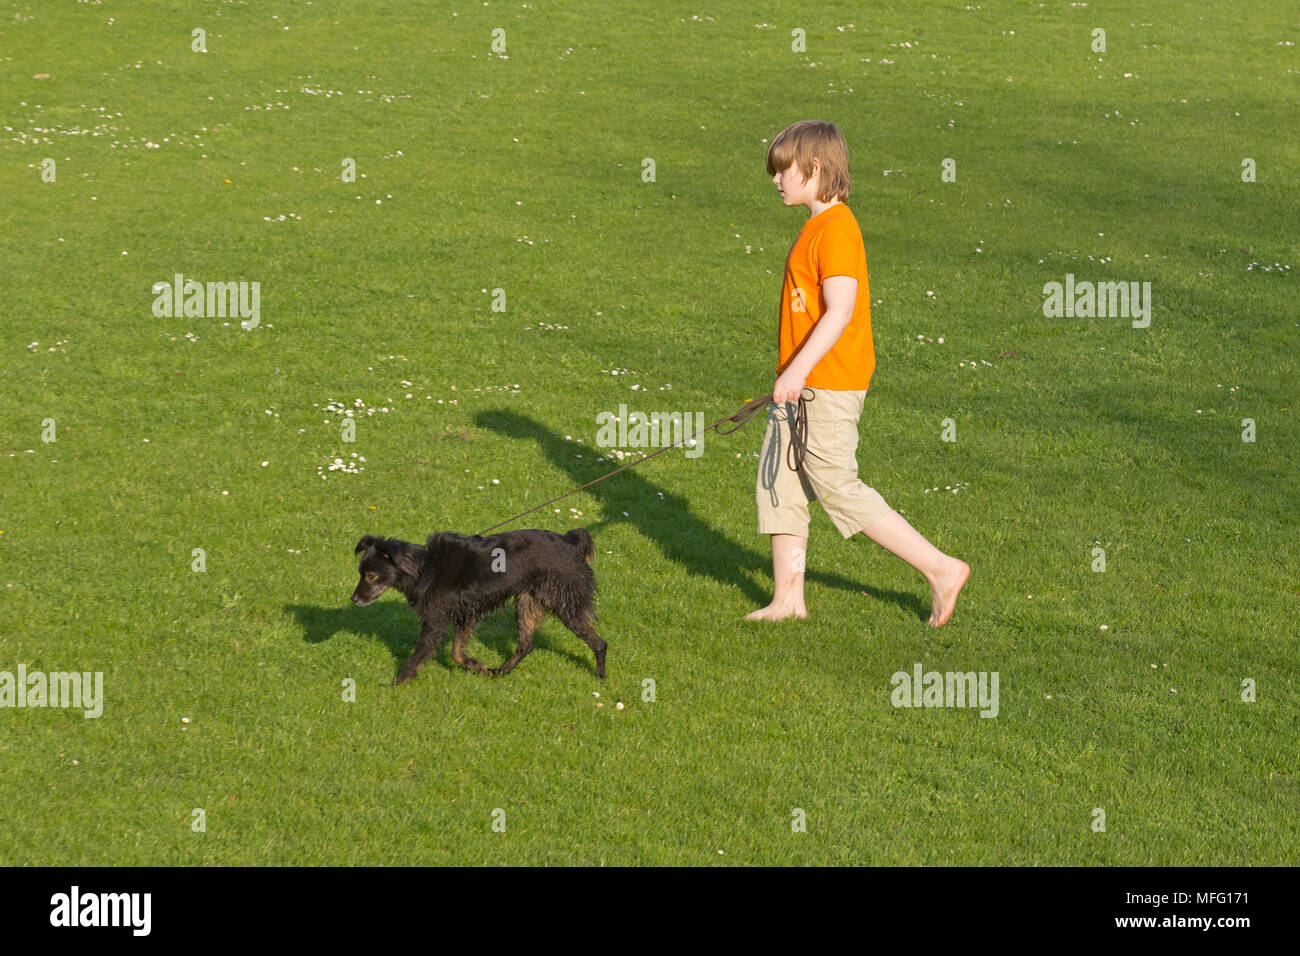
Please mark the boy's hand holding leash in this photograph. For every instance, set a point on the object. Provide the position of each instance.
(789, 386)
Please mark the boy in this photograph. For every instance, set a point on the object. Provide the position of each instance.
(826, 355)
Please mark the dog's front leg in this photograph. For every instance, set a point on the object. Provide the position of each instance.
(431, 635)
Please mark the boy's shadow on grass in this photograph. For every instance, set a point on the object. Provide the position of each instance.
(666, 519)
(391, 622)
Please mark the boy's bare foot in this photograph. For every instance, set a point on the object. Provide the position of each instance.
(944, 590)
(777, 612)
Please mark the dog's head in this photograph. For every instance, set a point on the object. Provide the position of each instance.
(385, 563)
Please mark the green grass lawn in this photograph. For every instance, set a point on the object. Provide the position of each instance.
(224, 690)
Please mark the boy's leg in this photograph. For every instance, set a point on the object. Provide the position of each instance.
(851, 505)
(946, 574)
(782, 498)
(788, 556)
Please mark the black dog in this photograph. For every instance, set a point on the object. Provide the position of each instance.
(458, 580)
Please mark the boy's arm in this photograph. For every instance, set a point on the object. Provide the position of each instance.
(841, 294)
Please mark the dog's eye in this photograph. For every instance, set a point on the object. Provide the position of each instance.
(372, 577)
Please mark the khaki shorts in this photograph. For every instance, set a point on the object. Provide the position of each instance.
(830, 468)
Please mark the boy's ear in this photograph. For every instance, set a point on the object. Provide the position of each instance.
(366, 542)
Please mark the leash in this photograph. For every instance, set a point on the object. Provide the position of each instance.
(794, 454)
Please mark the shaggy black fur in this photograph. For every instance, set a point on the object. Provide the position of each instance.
(458, 580)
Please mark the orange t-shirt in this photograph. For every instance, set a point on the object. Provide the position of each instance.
(830, 244)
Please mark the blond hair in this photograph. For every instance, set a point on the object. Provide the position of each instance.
(812, 139)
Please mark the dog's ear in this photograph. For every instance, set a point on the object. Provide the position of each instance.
(406, 557)
(366, 542)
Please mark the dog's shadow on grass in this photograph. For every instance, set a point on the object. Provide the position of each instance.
(667, 519)
(391, 622)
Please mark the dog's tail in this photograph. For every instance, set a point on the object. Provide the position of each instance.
(581, 540)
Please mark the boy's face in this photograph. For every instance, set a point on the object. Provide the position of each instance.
(794, 191)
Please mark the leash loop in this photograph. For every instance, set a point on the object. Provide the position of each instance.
(798, 448)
